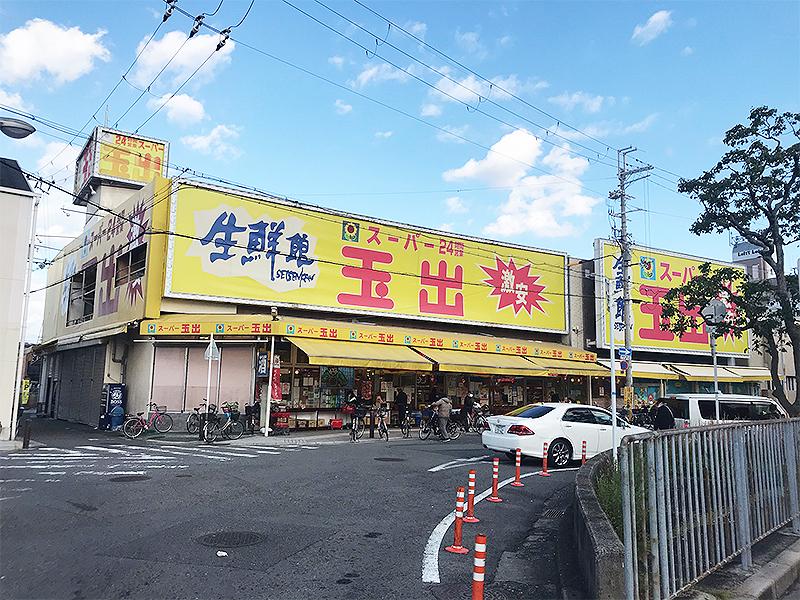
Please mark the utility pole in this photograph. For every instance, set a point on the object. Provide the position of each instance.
(626, 176)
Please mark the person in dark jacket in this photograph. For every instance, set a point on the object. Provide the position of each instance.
(664, 419)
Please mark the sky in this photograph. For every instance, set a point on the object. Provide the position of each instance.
(516, 143)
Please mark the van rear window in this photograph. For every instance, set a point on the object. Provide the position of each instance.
(679, 408)
(739, 411)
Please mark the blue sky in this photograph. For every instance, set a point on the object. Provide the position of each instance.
(667, 77)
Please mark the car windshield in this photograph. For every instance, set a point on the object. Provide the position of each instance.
(531, 411)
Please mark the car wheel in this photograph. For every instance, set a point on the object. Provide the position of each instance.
(559, 453)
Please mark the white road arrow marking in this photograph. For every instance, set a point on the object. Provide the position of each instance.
(461, 462)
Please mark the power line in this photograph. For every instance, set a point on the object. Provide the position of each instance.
(444, 93)
(481, 77)
(114, 89)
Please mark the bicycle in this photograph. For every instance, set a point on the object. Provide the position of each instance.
(231, 429)
(405, 426)
(159, 420)
(193, 420)
(430, 424)
(357, 426)
(383, 430)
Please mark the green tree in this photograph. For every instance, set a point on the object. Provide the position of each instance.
(754, 191)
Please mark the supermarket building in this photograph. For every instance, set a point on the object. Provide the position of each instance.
(362, 304)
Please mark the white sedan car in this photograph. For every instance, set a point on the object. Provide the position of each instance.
(563, 426)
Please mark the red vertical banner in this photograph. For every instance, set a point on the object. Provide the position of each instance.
(276, 394)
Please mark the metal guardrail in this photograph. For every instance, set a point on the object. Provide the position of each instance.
(695, 499)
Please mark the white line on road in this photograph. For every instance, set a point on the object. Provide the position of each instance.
(109, 473)
(265, 452)
(102, 449)
(53, 456)
(460, 462)
(183, 453)
(216, 452)
(430, 556)
(41, 466)
(310, 447)
(52, 473)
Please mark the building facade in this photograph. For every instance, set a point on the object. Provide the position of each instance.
(351, 302)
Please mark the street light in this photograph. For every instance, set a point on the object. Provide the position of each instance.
(14, 128)
(17, 129)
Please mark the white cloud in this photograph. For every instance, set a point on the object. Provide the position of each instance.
(505, 41)
(657, 24)
(336, 61)
(452, 134)
(430, 110)
(376, 73)
(445, 227)
(187, 58)
(12, 99)
(41, 47)
(384, 135)
(687, 51)
(505, 165)
(342, 107)
(418, 28)
(550, 205)
(603, 129)
(455, 205)
(470, 88)
(182, 109)
(587, 102)
(470, 42)
(216, 143)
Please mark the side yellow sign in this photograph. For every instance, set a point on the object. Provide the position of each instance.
(229, 247)
(653, 273)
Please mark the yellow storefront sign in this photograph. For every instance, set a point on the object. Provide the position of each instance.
(229, 247)
(130, 158)
(653, 273)
(261, 325)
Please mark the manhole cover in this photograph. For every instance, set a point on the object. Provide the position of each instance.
(553, 513)
(130, 478)
(373, 534)
(389, 459)
(231, 539)
(183, 475)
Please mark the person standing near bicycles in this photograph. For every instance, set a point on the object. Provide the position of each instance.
(401, 402)
(467, 411)
(353, 406)
(443, 407)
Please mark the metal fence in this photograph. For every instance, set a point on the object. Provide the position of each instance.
(695, 499)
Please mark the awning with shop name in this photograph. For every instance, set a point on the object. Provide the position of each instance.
(750, 373)
(644, 370)
(358, 354)
(703, 373)
(481, 363)
(552, 366)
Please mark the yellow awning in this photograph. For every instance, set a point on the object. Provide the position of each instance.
(481, 363)
(554, 366)
(703, 373)
(645, 370)
(750, 373)
(358, 354)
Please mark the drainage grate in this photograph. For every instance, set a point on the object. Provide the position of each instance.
(130, 478)
(553, 513)
(231, 539)
(389, 459)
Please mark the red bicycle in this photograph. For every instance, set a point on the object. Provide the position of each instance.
(159, 420)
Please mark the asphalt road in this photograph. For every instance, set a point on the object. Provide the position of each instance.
(91, 516)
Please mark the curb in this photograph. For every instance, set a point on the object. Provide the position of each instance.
(774, 578)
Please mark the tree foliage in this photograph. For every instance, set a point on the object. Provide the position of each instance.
(754, 191)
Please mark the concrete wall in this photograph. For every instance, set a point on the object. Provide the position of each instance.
(15, 227)
(599, 551)
(139, 365)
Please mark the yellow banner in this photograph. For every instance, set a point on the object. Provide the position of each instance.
(130, 158)
(256, 325)
(233, 248)
(653, 274)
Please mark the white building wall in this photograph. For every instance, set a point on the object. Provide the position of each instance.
(15, 226)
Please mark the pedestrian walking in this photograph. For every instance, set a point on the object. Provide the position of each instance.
(664, 418)
(443, 407)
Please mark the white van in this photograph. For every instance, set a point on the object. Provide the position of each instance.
(700, 409)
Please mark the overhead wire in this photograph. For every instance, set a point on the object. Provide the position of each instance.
(481, 77)
(452, 97)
